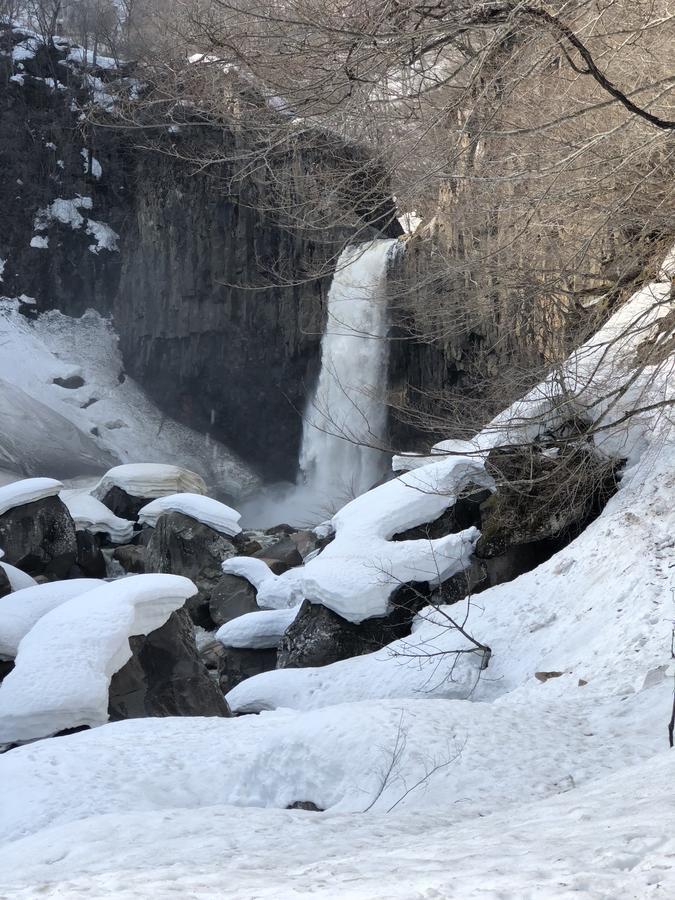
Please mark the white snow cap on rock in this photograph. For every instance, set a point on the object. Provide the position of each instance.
(89, 514)
(17, 579)
(85, 640)
(28, 490)
(356, 574)
(22, 609)
(257, 630)
(149, 480)
(209, 512)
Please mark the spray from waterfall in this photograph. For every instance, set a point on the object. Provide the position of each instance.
(346, 418)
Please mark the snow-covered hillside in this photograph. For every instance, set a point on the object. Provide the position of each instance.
(545, 775)
(67, 408)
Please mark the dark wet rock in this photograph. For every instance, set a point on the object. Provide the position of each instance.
(90, 562)
(318, 636)
(71, 383)
(305, 541)
(124, 505)
(471, 581)
(230, 598)
(39, 538)
(131, 557)
(236, 665)
(180, 545)
(165, 676)
(5, 586)
(306, 805)
(6, 666)
(280, 556)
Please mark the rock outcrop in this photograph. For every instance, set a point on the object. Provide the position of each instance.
(318, 636)
(207, 278)
(165, 676)
(39, 538)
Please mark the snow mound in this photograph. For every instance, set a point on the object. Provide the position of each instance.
(609, 838)
(27, 491)
(23, 608)
(89, 514)
(257, 630)
(18, 580)
(149, 480)
(209, 512)
(337, 758)
(85, 640)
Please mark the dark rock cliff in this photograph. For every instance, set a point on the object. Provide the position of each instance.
(217, 296)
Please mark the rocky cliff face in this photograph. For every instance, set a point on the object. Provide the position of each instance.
(218, 297)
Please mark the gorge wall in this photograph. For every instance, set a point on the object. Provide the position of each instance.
(217, 296)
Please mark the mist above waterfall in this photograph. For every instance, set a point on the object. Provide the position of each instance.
(342, 453)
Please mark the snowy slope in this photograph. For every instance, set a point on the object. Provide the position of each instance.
(108, 419)
(520, 786)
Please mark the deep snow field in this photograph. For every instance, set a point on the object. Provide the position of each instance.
(438, 779)
(104, 419)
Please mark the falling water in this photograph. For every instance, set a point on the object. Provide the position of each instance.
(345, 420)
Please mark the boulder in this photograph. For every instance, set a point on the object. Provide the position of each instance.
(124, 505)
(230, 598)
(90, 562)
(165, 676)
(131, 557)
(39, 537)
(280, 556)
(318, 636)
(181, 545)
(543, 494)
(5, 586)
(236, 665)
(305, 541)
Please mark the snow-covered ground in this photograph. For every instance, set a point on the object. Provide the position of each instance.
(102, 419)
(546, 775)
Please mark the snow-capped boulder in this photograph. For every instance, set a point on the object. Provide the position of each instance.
(5, 586)
(215, 515)
(24, 608)
(27, 490)
(89, 514)
(231, 597)
(36, 529)
(165, 676)
(127, 489)
(183, 546)
(85, 640)
(17, 579)
(317, 636)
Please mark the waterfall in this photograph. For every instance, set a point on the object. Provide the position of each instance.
(346, 418)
